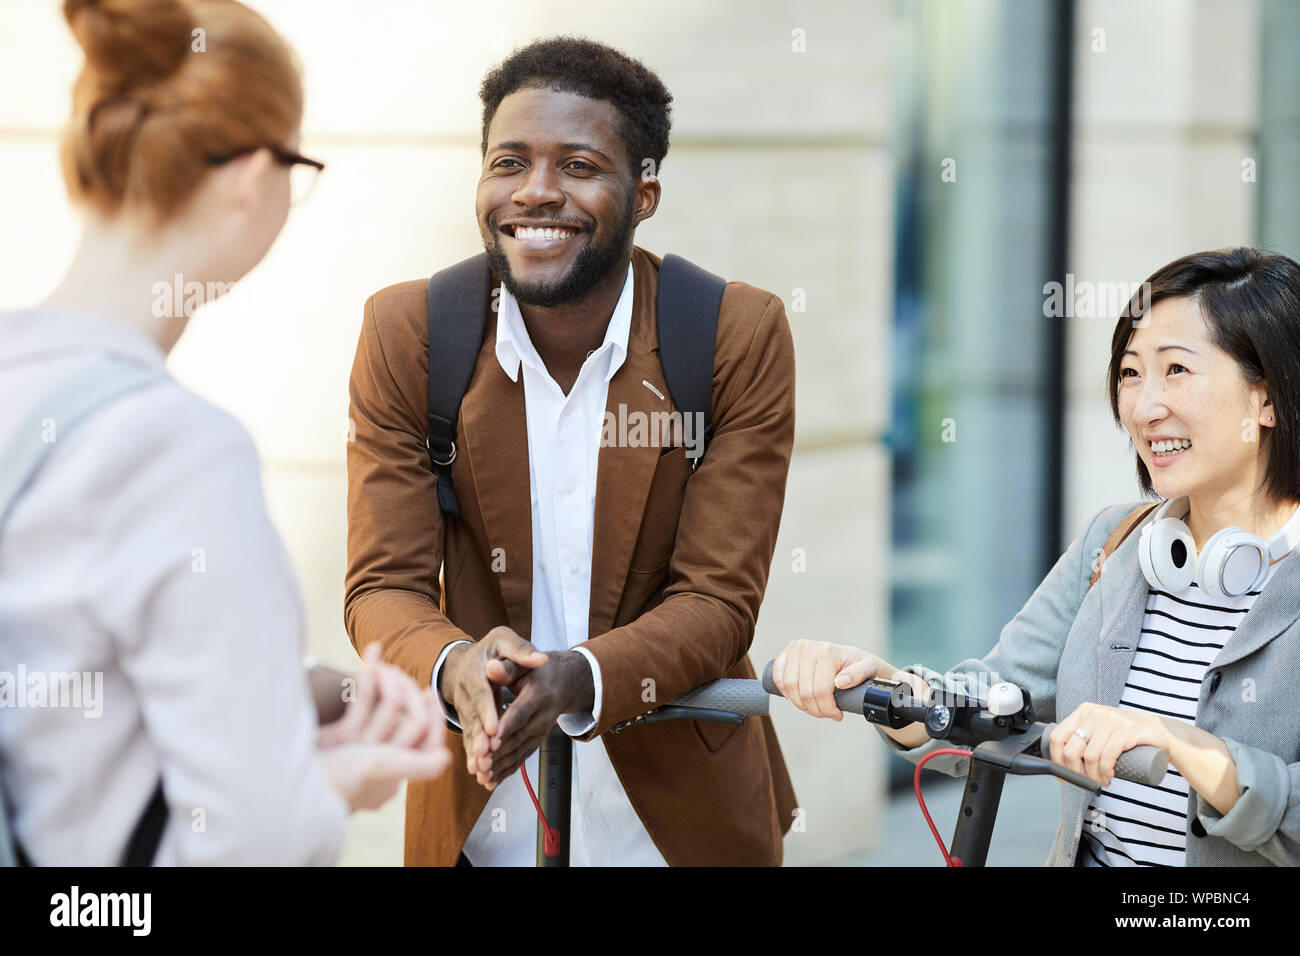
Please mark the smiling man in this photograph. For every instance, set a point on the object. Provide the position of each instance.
(596, 578)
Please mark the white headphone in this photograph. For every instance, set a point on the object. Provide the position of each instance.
(1233, 562)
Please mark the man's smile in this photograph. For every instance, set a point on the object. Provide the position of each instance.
(538, 237)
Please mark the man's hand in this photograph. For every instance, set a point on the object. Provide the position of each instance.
(472, 677)
(563, 686)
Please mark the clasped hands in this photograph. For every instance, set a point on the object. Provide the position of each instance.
(545, 686)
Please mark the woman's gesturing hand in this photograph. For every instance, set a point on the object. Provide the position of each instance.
(387, 707)
(809, 672)
(1091, 739)
(391, 731)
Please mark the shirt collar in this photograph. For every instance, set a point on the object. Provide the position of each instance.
(514, 346)
(40, 332)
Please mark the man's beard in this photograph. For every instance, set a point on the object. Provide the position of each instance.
(592, 264)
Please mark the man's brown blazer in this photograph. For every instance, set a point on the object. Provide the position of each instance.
(678, 566)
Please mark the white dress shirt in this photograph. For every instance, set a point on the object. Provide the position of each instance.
(142, 552)
(563, 453)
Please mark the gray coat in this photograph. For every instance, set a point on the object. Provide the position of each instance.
(1069, 645)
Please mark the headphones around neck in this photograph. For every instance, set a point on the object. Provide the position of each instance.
(1233, 562)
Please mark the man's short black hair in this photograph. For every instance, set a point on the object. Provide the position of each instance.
(575, 65)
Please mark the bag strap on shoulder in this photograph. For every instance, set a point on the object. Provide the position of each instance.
(686, 314)
(72, 402)
(65, 407)
(1122, 531)
(457, 302)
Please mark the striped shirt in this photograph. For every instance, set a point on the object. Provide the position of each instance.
(1132, 824)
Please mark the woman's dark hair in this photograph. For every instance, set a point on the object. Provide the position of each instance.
(575, 65)
(1250, 301)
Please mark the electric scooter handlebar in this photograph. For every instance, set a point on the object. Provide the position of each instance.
(1142, 764)
(746, 697)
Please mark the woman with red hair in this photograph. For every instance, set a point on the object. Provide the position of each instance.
(138, 554)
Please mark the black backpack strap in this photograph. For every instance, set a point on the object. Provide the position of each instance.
(457, 305)
(142, 847)
(686, 313)
(147, 835)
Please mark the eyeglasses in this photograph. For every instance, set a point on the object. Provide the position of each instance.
(303, 172)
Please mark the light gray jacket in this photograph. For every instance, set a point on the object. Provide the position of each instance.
(1069, 645)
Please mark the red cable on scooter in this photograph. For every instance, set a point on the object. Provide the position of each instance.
(551, 842)
(916, 784)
